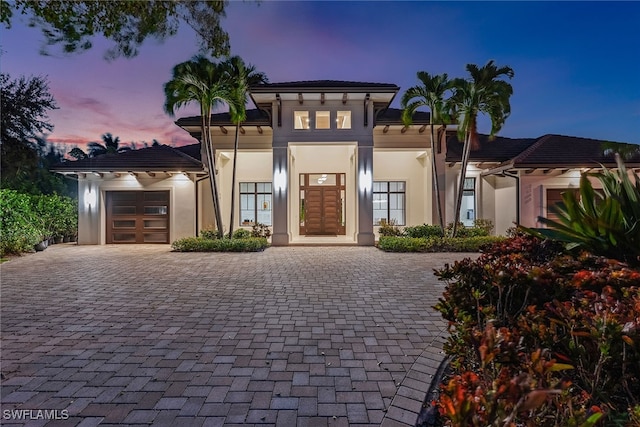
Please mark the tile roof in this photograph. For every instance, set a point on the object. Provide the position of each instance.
(157, 158)
(393, 116)
(545, 151)
(498, 150)
(560, 150)
(191, 150)
(255, 117)
(323, 84)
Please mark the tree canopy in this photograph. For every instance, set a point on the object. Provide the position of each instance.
(72, 24)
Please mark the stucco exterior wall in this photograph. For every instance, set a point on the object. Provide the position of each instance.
(92, 219)
(413, 167)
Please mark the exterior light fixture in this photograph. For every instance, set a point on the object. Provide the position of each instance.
(280, 180)
(365, 180)
(89, 198)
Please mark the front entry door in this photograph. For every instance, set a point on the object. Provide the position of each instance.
(322, 204)
(322, 211)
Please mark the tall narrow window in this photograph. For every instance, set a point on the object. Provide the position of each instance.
(301, 120)
(389, 202)
(323, 120)
(255, 203)
(468, 207)
(343, 120)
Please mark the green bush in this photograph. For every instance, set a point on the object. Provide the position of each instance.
(209, 233)
(19, 230)
(435, 244)
(389, 228)
(200, 244)
(423, 230)
(606, 222)
(241, 233)
(481, 227)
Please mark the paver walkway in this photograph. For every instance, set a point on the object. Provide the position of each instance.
(297, 336)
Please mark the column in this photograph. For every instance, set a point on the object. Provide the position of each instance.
(280, 210)
(365, 235)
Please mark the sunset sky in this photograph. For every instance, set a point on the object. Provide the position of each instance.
(577, 64)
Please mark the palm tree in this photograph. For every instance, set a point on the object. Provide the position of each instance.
(429, 94)
(202, 81)
(483, 92)
(240, 76)
(111, 146)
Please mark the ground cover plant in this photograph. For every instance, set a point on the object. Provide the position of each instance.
(431, 238)
(547, 332)
(242, 240)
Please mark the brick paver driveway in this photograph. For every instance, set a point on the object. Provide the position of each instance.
(138, 335)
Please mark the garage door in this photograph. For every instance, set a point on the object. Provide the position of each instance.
(137, 216)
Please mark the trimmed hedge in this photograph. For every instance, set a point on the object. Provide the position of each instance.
(435, 244)
(199, 244)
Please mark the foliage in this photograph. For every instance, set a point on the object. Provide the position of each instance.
(209, 233)
(481, 227)
(111, 146)
(435, 244)
(207, 84)
(56, 216)
(18, 229)
(431, 94)
(423, 230)
(239, 77)
(128, 24)
(483, 92)
(260, 230)
(199, 244)
(540, 337)
(242, 233)
(603, 222)
(389, 228)
(25, 155)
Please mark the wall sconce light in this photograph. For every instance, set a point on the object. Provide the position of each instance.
(365, 180)
(89, 198)
(280, 180)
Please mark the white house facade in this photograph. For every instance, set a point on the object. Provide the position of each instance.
(321, 162)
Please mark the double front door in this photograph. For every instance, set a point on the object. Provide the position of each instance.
(322, 204)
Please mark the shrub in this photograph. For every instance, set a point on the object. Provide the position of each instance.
(435, 244)
(423, 230)
(19, 230)
(209, 233)
(605, 223)
(389, 228)
(241, 233)
(481, 227)
(260, 230)
(200, 244)
(541, 337)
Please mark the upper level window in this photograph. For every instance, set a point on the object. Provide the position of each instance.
(301, 119)
(343, 120)
(323, 120)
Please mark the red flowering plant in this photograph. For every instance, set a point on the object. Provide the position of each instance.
(539, 337)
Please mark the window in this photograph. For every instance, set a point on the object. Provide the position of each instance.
(554, 197)
(301, 119)
(389, 202)
(255, 203)
(467, 209)
(343, 120)
(323, 120)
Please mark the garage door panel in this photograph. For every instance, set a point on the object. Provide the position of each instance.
(137, 217)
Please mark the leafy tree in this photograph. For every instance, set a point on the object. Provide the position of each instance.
(484, 92)
(111, 146)
(429, 94)
(240, 76)
(204, 82)
(25, 152)
(78, 153)
(128, 24)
